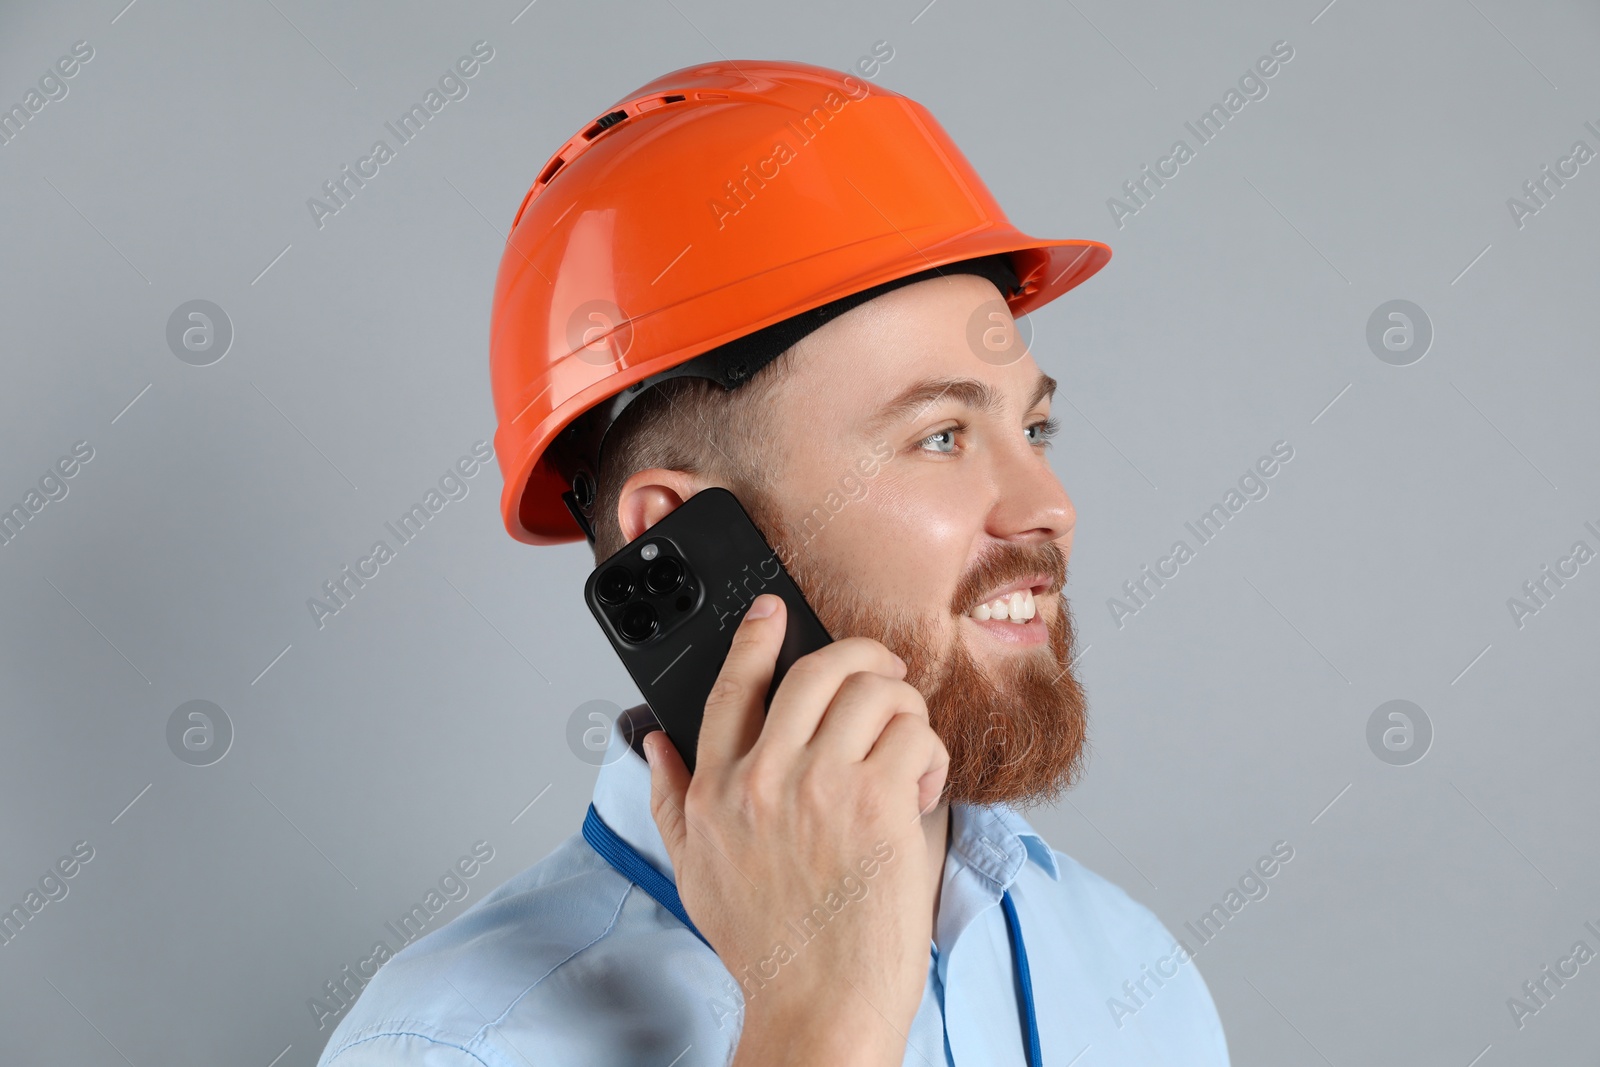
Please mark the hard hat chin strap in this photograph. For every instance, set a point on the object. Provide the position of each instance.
(576, 451)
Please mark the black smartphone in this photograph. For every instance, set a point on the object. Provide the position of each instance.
(669, 603)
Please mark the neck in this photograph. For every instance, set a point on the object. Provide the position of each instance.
(936, 825)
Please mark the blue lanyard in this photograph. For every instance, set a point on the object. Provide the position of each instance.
(636, 869)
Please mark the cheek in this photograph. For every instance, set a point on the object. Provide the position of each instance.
(903, 544)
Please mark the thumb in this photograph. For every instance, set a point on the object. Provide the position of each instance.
(669, 781)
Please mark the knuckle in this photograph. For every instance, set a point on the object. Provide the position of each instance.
(726, 690)
(908, 725)
(695, 805)
(840, 650)
(913, 699)
(809, 667)
(918, 732)
(816, 789)
(745, 638)
(904, 722)
(866, 647)
(860, 684)
(761, 787)
(751, 808)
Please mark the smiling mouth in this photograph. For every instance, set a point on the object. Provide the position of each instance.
(1017, 607)
(1012, 631)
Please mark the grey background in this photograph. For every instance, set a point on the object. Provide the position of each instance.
(1228, 714)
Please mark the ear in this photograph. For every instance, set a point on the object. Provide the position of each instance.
(649, 496)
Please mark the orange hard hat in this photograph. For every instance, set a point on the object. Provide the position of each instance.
(716, 202)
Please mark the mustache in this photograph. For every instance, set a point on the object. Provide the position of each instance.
(1004, 562)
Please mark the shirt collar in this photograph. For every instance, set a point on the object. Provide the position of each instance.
(622, 790)
(995, 841)
(991, 839)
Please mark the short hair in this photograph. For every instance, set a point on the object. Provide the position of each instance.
(693, 425)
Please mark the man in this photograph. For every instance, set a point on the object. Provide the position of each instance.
(845, 878)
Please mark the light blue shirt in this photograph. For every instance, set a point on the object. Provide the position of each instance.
(569, 963)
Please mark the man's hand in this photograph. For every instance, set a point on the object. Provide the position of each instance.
(787, 816)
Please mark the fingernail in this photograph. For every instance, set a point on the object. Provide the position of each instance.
(764, 606)
(650, 751)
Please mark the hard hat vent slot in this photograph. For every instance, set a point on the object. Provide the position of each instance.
(604, 123)
(671, 99)
(549, 172)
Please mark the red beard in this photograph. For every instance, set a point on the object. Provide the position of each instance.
(1015, 733)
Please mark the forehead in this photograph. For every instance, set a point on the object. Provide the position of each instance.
(844, 372)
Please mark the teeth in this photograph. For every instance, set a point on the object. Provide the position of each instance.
(1017, 607)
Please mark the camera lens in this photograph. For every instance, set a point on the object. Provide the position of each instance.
(664, 575)
(638, 622)
(615, 585)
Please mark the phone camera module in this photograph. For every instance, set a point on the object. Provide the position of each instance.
(638, 622)
(663, 576)
(615, 585)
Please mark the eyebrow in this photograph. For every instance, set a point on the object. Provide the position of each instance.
(969, 391)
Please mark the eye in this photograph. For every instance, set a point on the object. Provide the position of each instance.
(941, 440)
(1041, 432)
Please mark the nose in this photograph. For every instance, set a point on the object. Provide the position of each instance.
(1031, 505)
